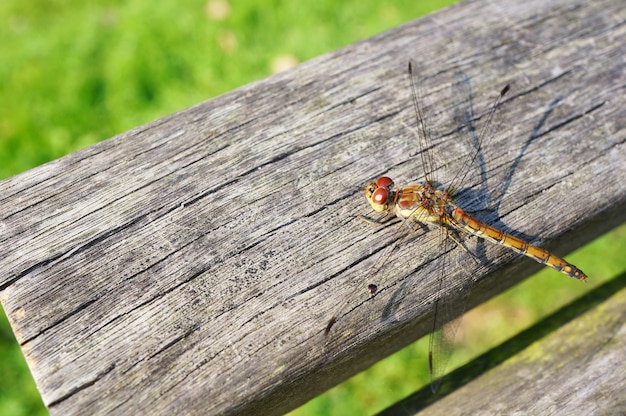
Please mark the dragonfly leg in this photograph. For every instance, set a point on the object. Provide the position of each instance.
(407, 223)
(450, 235)
(374, 220)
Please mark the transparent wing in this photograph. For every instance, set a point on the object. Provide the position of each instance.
(424, 134)
(454, 286)
(474, 130)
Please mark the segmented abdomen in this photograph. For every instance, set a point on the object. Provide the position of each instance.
(480, 229)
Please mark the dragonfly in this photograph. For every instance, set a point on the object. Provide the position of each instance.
(429, 203)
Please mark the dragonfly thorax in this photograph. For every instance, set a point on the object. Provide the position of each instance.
(423, 203)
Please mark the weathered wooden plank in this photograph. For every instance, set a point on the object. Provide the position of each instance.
(579, 368)
(191, 264)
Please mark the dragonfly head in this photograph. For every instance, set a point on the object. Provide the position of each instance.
(379, 193)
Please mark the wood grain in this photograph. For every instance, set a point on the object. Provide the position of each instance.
(190, 265)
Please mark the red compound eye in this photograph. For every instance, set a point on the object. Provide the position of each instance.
(384, 182)
(380, 196)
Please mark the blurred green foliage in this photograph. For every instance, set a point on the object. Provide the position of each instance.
(74, 73)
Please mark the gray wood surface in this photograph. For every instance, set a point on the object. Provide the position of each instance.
(190, 265)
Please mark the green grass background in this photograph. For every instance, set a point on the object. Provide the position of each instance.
(73, 73)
